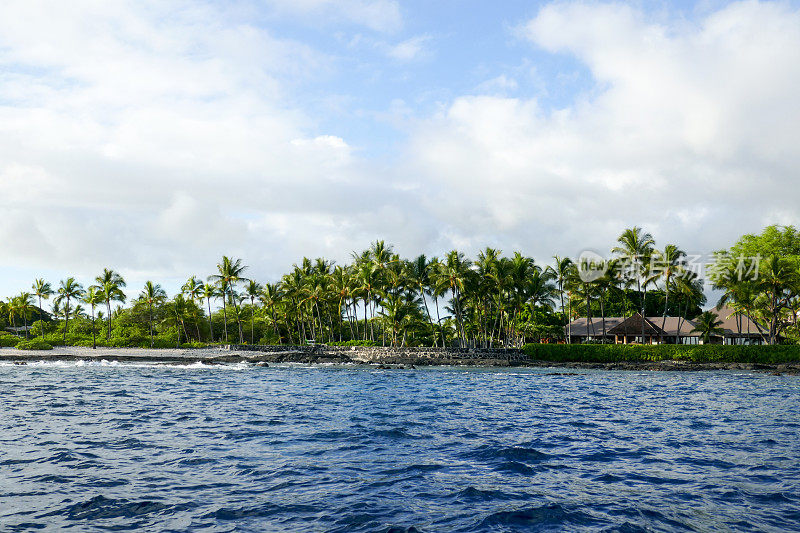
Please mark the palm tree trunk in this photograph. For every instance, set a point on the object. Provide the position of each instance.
(439, 320)
(275, 323)
(225, 313)
(666, 304)
(428, 312)
(210, 325)
(66, 322)
(372, 315)
(569, 319)
(603, 313)
(238, 319)
(108, 308)
(252, 321)
(150, 312)
(40, 313)
(177, 327)
(94, 336)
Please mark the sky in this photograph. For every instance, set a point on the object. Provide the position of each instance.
(153, 137)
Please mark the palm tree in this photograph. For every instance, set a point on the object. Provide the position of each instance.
(690, 291)
(110, 284)
(21, 306)
(152, 294)
(636, 248)
(93, 297)
(453, 274)
(43, 290)
(209, 291)
(670, 263)
(560, 272)
(270, 296)
(420, 274)
(230, 273)
(252, 290)
(193, 288)
(707, 324)
(68, 290)
(178, 307)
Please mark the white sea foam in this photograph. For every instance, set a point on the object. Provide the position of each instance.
(124, 364)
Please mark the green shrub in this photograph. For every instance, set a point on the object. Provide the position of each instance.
(8, 341)
(128, 342)
(54, 339)
(195, 344)
(354, 343)
(701, 353)
(34, 344)
(87, 343)
(158, 343)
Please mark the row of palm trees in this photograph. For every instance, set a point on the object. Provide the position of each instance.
(637, 266)
(382, 298)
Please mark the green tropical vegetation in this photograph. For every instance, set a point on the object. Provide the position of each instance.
(760, 279)
(380, 298)
(696, 353)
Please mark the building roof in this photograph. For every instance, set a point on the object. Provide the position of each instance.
(582, 328)
(733, 325)
(637, 324)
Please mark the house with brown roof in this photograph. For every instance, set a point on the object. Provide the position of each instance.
(738, 329)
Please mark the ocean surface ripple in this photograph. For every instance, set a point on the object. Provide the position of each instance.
(330, 448)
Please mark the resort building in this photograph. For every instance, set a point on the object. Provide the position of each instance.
(738, 329)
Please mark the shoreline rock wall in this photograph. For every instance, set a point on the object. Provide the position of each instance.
(393, 355)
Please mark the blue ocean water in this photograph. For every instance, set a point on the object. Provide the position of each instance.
(123, 447)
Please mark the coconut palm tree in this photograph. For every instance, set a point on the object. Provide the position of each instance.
(253, 291)
(707, 324)
(110, 284)
(94, 297)
(270, 297)
(420, 274)
(670, 263)
(152, 294)
(43, 290)
(178, 307)
(690, 291)
(193, 288)
(68, 290)
(209, 291)
(21, 306)
(635, 247)
(560, 272)
(230, 273)
(453, 274)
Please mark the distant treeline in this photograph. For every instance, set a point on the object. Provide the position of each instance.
(381, 298)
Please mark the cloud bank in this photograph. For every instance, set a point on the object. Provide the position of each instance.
(153, 139)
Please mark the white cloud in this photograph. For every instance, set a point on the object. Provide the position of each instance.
(410, 49)
(155, 138)
(498, 85)
(690, 130)
(130, 142)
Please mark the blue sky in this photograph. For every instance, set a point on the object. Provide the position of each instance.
(153, 137)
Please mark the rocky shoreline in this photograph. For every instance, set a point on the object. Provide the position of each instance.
(401, 359)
